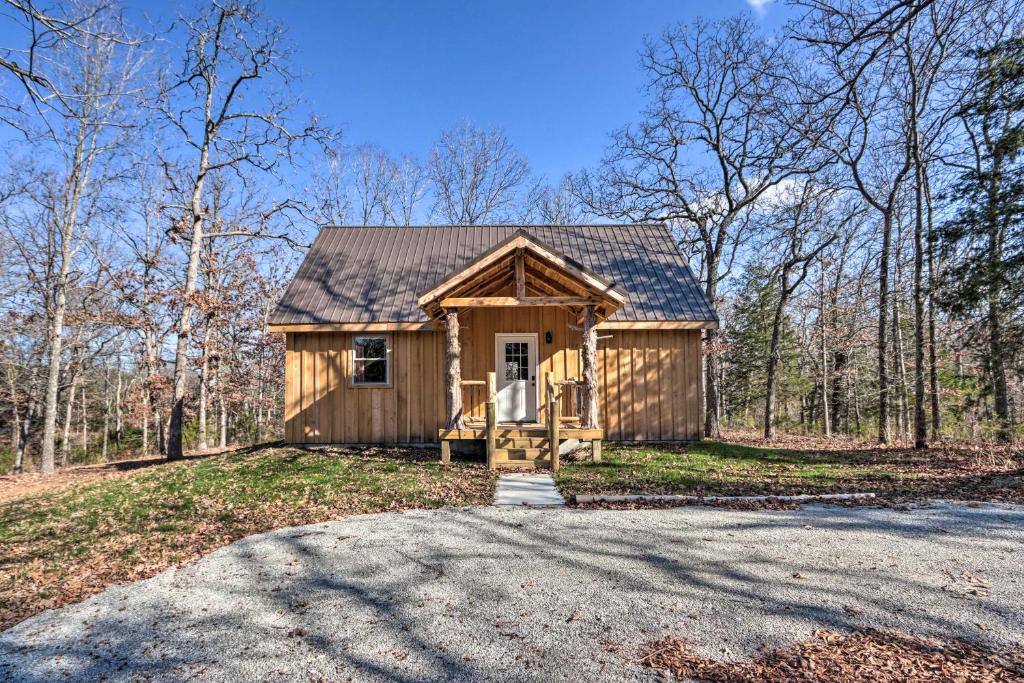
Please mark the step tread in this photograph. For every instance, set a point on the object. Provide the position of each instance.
(522, 463)
(519, 453)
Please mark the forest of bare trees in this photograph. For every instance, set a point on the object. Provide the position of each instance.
(849, 192)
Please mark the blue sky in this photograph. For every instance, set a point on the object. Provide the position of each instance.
(558, 75)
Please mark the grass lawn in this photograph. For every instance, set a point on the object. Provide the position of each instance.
(808, 467)
(59, 546)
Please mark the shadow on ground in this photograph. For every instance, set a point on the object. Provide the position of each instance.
(535, 595)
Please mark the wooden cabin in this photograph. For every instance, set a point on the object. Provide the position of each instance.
(526, 338)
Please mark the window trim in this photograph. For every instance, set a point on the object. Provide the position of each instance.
(353, 359)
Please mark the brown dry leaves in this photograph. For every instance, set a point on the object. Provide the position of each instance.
(830, 657)
(745, 464)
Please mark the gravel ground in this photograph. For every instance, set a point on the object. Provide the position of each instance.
(535, 595)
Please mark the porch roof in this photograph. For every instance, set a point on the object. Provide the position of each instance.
(521, 271)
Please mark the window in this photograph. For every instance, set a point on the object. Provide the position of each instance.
(370, 361)
(517, 364)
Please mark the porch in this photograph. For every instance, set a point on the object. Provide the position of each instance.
(525, 444)
(532, 333)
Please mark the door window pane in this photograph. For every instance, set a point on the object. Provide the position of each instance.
(517, 363)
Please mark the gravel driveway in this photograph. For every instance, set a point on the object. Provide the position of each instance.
(519, 595)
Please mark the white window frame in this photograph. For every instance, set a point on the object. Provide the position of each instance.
(387, 362)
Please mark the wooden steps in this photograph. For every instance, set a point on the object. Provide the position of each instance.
(534, 464)
(531, 432)
(519, 453)
(516, 444)
(521, 442)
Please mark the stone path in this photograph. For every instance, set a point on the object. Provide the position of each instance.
(533, 490)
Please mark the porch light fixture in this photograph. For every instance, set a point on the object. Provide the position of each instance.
(547, 337)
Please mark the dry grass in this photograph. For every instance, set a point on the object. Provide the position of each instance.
(746, 465)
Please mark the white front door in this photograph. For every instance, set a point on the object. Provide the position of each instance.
(516, 369)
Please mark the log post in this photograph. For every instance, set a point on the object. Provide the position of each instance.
(588, 353)
(453, 371)
(492, 417)
(446, 451)
(553, 427)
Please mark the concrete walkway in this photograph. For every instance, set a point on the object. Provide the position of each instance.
(532, 490)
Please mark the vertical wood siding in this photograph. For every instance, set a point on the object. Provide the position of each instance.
(650, 380)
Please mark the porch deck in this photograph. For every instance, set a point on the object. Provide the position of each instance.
(476, 428)
(521, 444)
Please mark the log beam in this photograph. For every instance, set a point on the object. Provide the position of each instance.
(520, 274)
(508, 301)
(453, 372)
(588, 354)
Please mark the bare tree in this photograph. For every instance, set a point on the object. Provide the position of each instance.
(47, 33)
(554, 204)
(723, 128)
(410, 189)
(804, 214)
(226, 105)
(329, 190)
(374, 178)
(78, 136)
(865, 131)
(476, 176)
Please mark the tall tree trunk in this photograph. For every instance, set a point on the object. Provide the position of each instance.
(69, 416)
(883, 324)
(223, 436)
(839, 390)
(774, 355)
(85, 427)
(826, 420)
(145, 426)
(997, 351)
(55, 347)
(933, 343)
(184, 328)
(15, 426)
(26, 425)
(204, 390)
(161, 435)
(920, 415)
(997, 369)
(712, 358)
(118, 417)
(900, 371)
(106, 414)
(76, 183)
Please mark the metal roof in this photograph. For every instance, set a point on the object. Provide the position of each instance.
(368, 274)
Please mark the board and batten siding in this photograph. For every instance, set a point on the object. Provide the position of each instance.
(650, 380)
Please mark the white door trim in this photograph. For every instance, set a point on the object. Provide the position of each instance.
(499, 361)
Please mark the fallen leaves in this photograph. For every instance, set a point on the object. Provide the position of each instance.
(831, 657)
(968, 584)
(745, 465)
